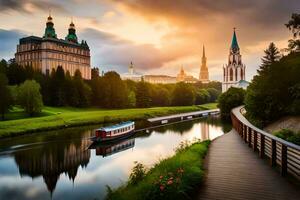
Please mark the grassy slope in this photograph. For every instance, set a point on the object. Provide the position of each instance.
(190, 160)
(54, 118)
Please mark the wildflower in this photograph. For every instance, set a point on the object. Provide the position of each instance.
(170, 182)
(162, 187)
(161, 177)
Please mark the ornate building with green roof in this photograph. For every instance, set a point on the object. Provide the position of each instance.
(48, 52)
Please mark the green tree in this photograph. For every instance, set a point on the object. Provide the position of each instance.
(6, 99)
(160, 96)
(202, 96)
(230, 99)
(272, 55)
(115, 93)
(83, 90)
(294, 26)
(143, 95)
(15, 74)
(214, 94)
(183, 95)
(131, 99)
(3, 66)
(30, 98)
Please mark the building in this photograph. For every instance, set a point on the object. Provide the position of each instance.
(204, 75)
(183, 77)
(47, 52)
(159, 79)
(234, 71)
(131, 74)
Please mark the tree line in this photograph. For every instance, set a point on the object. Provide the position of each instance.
(107, 91)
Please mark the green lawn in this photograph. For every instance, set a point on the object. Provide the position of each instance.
(55, 118)
(177, 177)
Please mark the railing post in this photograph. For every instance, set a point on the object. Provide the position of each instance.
(245, 133)
(255, 141)
(249, 136)
(283, 160)
(274, 153)
(262, 146)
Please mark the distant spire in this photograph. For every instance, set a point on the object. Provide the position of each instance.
(234, 43)
(203, 52)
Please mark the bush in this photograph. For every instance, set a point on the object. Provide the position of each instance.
(172, 178)
(183, 95)
(138, 173)
(289, 136)
(230, 99)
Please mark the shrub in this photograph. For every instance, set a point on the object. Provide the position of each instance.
(289, 136)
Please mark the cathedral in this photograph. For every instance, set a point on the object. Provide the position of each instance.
(203, 76)
(47, 52)
(234, 71)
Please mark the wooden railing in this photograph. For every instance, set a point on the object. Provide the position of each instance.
(281, 153)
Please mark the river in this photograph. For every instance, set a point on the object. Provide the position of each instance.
(63, 165)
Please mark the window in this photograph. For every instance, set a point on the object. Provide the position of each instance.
(242, 74)
(231, 74)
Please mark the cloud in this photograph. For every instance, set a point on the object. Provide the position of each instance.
(8, 41)
(113, 52)
(30, 6)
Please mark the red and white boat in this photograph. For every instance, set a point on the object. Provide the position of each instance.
(118, 131)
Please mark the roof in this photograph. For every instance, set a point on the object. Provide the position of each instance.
(234, 43)
(116, 126)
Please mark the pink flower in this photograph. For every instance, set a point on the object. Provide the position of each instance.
(162, 187)
(161, 177)
(170, 182)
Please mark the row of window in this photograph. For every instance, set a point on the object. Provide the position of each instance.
(231, 75)
(38, 55)
(53, 46)
(122, 130)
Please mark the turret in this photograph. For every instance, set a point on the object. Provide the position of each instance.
(49, 30)
(71, 37)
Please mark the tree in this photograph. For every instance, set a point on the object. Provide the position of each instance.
(160, 96)
(131, 99)
(6, 99)
(3, 66)
(271, 56)
(230, 99)
(30, 98)
(115, 93)
(143, 95)
(16, 74)
(58, 87)
(294, 26)
(214, 94)
(202, 96)
(82, 89)
(183, 95)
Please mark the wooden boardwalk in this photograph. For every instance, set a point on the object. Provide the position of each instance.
(235, 172)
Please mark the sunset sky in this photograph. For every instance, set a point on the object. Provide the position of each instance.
(159, 36)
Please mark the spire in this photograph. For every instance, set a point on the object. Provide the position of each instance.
(72, 37)
(203, 52)
(234, 44)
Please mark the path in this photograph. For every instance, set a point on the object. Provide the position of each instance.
(235, 172)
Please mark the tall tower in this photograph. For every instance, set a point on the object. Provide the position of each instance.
(204, 76)
(49, 30)
(234, 71)
(131, 68)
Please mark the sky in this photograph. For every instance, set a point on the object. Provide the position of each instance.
(158, 36)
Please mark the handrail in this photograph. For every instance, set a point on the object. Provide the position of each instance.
(282, 153)
(237, 112)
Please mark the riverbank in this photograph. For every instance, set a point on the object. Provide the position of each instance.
(173, 178)
(58, 118)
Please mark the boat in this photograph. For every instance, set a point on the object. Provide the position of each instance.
(114, 132)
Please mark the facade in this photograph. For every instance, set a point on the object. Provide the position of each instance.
(204, 75)
(159, 79)
(131, 74)
(183, 77)
(234, 71)
(47, 52)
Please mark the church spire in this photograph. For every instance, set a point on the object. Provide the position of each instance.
(203, 52)
(234, 44)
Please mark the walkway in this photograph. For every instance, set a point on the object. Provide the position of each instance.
(235, 172)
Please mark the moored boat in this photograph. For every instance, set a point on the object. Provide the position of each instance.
(114, 132)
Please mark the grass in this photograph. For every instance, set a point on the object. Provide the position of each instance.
(173, 178)
(56, 118)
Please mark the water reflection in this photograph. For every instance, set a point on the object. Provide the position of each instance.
(55, 159)
(108, 149)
